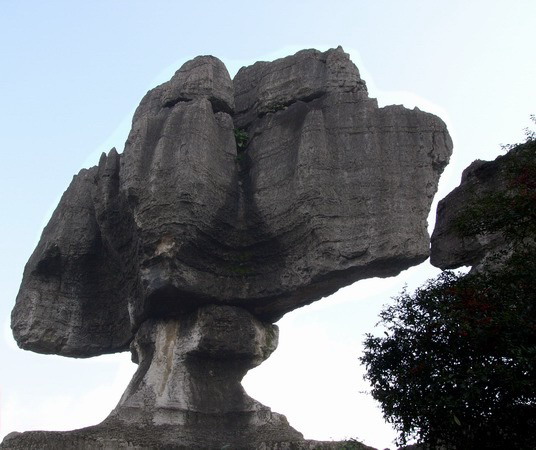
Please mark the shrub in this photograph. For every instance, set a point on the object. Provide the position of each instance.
(456, 367)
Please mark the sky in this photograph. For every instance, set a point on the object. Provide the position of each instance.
(72, 73)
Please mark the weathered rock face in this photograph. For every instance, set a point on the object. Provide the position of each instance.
(187, 392)
(233, 203)
(449, 249)
(194, 365)
(329, 189)
(189, 377)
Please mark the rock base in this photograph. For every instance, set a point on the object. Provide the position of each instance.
(187, 391)
(164, 437)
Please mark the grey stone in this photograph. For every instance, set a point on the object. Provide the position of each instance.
(161, 437)
(73, 297)
(449, 249)
(187, 392)
(204, 77)
(329, 190)
(233, 203)
(268, 87)
(190, 370)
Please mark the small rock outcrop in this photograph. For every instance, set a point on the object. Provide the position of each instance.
(233, 203)
(450, 248)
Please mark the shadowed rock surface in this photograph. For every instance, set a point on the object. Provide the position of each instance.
(190, 371)
(233, 203)
(449, 249)
(170, 438)
(330, 189)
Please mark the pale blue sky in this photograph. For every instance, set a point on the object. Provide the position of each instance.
(72, 74)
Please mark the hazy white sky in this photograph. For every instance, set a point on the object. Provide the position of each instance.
(72, 74)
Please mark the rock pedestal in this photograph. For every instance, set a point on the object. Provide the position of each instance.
(189, 375)
(187, 391)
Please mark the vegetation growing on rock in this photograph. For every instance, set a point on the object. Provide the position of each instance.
(456, 367)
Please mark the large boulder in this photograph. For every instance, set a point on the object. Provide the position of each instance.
(323, 189)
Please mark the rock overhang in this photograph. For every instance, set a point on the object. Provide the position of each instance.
(327, 189)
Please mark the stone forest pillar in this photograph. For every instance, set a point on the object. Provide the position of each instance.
(233, 203)
(189, 374)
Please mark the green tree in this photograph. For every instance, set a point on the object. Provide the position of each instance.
(456, 367)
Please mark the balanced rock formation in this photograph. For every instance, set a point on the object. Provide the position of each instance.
(233, 203)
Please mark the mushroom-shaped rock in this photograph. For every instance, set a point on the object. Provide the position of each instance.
(233, 203)
(320, 188)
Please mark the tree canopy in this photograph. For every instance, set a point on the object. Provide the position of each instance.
(456, 365)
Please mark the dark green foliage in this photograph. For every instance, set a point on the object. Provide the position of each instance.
(512, 212)
(352, 444)
(276, 107)
(457, 364)
(456, 367)
(241, 137)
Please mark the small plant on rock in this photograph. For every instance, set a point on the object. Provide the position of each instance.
(241, 138)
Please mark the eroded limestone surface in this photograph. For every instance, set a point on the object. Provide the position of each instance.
(329, 189)
(233, 203)
(449, 248)
(193, 366)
